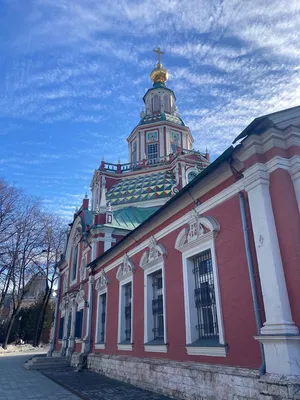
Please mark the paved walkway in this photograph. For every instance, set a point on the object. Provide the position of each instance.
(17, 383)
(92, 386)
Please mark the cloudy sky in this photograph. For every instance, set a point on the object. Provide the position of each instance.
(73, 73)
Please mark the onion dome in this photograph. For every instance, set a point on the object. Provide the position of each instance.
(159, 74)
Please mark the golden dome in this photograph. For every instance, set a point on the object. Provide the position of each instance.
(159, 74)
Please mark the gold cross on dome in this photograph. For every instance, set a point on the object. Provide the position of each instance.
(159, 53)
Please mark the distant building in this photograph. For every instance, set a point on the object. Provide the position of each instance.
(183, 277)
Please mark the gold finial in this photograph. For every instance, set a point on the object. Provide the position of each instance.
(159, 74)
(159, 53)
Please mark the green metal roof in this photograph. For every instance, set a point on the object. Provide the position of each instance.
(131, 217)
(158, 85)
(149, 119)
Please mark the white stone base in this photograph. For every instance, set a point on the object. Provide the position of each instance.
(282, 353)
(195, 381)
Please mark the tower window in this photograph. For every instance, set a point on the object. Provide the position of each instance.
(156, 103)
(134, 152)
(191, 176)
(152, 151)
(167, 105)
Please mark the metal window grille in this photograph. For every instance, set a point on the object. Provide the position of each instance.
(103, 316)
(74, 264)
(127, 310)
(204, 294)
(78, 324)
(157, 305)
(61, 327)
(152, 150)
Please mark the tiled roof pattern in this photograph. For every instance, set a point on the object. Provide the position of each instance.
(141, 188)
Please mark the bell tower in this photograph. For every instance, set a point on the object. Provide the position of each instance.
(161, 132)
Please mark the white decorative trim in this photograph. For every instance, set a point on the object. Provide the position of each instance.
(206, 351)
(196, 234)
(77, 340)
(158, 348)
(99, 346)
(80, 295)
(125, 347)
(126, 269)
(102, 282)
(155, 254)
(66, 281)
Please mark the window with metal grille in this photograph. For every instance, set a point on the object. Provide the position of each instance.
(157, 305)
(61, 328)
(204, 296)
(74, 262)
(102, 317)
(127, 310)
(78, 324)
(152, 151)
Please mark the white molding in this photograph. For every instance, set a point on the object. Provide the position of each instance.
(156, 348)
(126, 269)
(102, 281)
(125, 347)
(99, 346)
(78, 340)
(206, 351)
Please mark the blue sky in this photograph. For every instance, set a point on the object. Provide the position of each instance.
(73, 73)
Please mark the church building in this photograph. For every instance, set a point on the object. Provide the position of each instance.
(182, 276)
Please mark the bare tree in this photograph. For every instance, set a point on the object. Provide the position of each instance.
(24, 250)
(54, 239)
(10, 199)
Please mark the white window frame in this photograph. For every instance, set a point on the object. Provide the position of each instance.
(153, 159)
(152, 261)
(101, 287)
(121, 317)
(98, 343)
(198, 238)
(125, 275)
(72, 262)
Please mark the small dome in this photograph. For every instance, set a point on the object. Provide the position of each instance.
(159, 74)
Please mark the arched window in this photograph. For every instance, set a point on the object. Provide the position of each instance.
(74, 263)
(167, 105)
(156, 103)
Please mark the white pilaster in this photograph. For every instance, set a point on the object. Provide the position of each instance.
(295, 174)
(142, 145)
(86, 346)
(279, 332)
(94, 249)
(107, 239)
(71, 338)
(161, 142)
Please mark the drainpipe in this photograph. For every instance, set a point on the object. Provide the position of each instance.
(257, 311)
(53, 341)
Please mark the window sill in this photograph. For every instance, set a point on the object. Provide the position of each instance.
(78, 340)
(156, 348)
(125, 346)
(212, 351)
(99, 346)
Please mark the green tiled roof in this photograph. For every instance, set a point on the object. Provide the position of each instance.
(141, 188)
(131, 217)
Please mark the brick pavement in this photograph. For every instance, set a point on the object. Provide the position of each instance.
(92, 386)
(16, 383)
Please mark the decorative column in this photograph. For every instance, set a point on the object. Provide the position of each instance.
(295, 174)
(88, 328)
(71, 339)
(279, 334)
